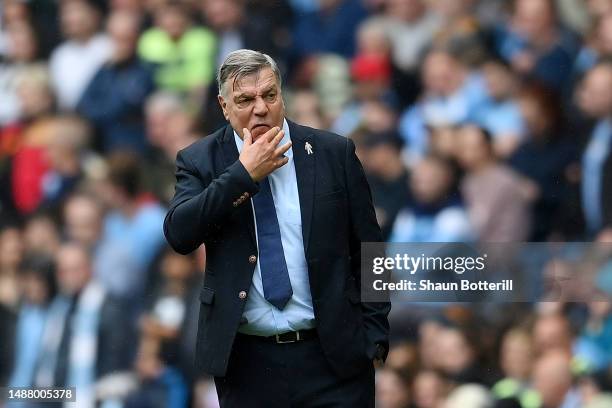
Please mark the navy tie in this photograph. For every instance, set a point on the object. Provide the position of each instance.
(274, 273)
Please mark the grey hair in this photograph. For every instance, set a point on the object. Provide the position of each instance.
(242, 63)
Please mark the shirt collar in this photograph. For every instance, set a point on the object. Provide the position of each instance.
(286, 139)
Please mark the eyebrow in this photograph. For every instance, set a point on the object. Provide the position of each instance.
(252, 95)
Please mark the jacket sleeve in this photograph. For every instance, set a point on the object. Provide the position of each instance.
(198, 208)
(364, 228)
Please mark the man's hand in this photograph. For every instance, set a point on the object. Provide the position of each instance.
(264, 155)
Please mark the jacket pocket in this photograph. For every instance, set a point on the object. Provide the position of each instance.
(330, 196)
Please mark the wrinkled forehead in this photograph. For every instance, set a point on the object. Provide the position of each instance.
(256, 83)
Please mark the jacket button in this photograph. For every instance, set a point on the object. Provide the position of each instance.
(235, 204)
(242, 294)
(252, 259)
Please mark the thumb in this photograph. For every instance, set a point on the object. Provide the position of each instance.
(248, 139)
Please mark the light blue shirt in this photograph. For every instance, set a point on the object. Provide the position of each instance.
(127, 249)
(501, 118)
(30, 327)
(458, 108)
(262, 318)
(593, 161)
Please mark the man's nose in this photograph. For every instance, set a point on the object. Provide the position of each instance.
(260, 108)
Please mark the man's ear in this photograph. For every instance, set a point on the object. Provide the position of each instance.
(223, 106)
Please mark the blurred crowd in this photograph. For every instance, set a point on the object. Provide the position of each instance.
(475, 121)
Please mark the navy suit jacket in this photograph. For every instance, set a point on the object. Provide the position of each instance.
(211, 205)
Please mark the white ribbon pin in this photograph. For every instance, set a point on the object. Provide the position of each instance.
(308, 148)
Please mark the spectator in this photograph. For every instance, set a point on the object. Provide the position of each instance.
(516, 360)
(429, 330)
(161, 386)
(228, 19)
(113, 265)
(451, 95)
(66, 155)
(135, 219)
(21, 53)
(74, 63)
(170, 128)
(460, 30)
(304, 107)
(403, 357)
(159, 108)
(371, 73)
(443, 140)
(182, 53)
(545, 157)
(598, 48)
(388, 178)
(41, 234)
(552, 378)
(392, 389)
(410, 27)
(330, 78)
(329, 29)
(458, 354)
(596, 102)
(436, 212)
(430, 389)
(498, 200)
(27, 142)
(597, 333)
(535, 43)
(500, 113)
(13, 12)
(170, 310)
(38, 283)
(114, 99)
(552, 332)
(84, 337)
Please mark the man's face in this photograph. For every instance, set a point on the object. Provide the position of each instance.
(78, 20)
(172, 21)
(123, 31)
(73, 269)
(533, 18)
(83, 221)
(223, 14)
(594, 95)
(254, 102)
(440, 74)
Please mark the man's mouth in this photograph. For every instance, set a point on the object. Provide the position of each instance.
(258, 130)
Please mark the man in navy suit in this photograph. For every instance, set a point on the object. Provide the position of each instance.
(283, 210)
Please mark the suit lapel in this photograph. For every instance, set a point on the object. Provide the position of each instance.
(305, 173)
(230, 155)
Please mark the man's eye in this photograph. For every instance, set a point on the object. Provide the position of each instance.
(271, 97)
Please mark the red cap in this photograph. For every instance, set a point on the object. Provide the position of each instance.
(371, 68)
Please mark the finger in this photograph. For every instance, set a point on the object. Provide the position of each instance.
(269, 135)
(248, 139)
(277, 139)
(282, 149)
(282, 162)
